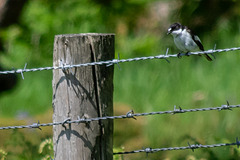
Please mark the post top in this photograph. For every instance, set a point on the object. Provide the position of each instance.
(85, 34)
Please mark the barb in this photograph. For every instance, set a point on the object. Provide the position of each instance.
(65, 121)
(192, 147)
(36, 125)
(177, 110)
(214, 48)
(166, 54)
(117, 61)
(24, 69)
(130, 114)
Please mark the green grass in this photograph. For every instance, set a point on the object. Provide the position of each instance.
(32, 96)
(190, 82)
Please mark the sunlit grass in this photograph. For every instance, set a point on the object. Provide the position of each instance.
(190, 82)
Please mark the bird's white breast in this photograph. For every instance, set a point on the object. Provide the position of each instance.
(184, 41)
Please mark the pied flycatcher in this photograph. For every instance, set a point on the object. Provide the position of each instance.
(185, 40)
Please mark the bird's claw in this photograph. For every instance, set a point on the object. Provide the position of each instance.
(179, 55)
(187, 54)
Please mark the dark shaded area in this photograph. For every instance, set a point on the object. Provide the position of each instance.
(207, 13)
(10, 11)
(7, 81)
(104, 2)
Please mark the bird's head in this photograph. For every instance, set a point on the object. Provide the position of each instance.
(175, 29)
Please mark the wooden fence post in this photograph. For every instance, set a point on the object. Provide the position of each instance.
(83, 92)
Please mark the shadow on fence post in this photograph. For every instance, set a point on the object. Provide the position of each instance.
(83, 92)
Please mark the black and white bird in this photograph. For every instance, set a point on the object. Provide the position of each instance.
(185, 40)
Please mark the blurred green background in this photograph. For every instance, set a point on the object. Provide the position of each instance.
(145, 86)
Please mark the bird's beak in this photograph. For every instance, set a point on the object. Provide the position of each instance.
(169, 31)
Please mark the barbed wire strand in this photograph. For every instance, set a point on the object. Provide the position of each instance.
(117, 61)
(129, 114)
(192, 147)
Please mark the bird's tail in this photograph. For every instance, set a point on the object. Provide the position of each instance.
(208, 58)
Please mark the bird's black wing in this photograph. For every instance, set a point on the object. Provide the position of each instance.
(198, 42)
(196, 39)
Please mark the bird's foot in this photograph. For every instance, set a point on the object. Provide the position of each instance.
(179, 55)
(187, 54)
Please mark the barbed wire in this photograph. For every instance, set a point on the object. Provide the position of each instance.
(192, 147)
(129, 114)
(117, 61)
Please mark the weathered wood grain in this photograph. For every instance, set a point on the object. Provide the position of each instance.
(85, 92)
